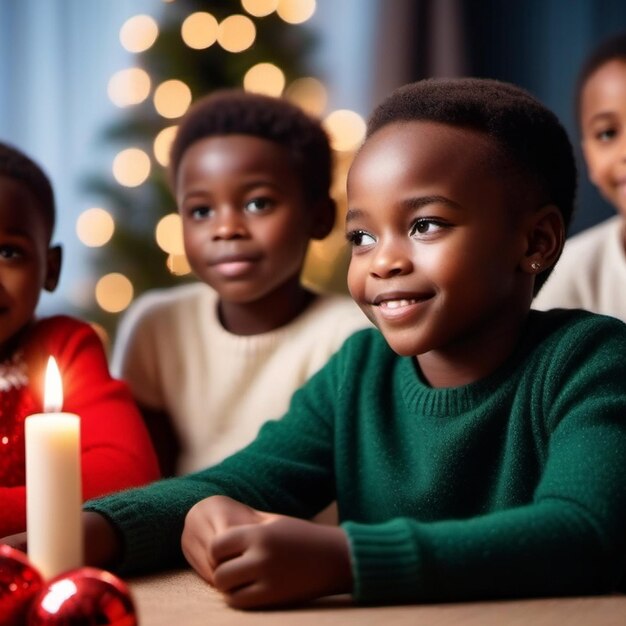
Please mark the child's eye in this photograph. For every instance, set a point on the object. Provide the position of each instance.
(359, 238)
(426, 226)
(606, 134)
(10, 252)
(258, 205)
(200, 212)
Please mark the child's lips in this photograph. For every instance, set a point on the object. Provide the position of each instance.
(234, 265)
(397, 306)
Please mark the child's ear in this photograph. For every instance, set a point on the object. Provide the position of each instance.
(546, 235)
(324, 213)
(53, 267)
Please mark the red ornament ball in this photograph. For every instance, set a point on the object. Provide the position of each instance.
(84, 597)
(19, 583)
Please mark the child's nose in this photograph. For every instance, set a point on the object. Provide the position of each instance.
(229, 224)
(390, 260)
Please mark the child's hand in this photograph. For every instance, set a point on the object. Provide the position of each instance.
(17, 541)
(206, 520)
(260, 559)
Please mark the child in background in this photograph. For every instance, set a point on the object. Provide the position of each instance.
(210, 362)
(473, 446)
(116, 450)
(592, 272)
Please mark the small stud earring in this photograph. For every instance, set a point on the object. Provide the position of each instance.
(535, 266)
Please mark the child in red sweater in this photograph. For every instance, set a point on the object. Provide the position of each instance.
(116, 450)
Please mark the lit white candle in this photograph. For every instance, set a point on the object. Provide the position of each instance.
(53, 483)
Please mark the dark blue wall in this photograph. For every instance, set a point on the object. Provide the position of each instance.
(540, 45)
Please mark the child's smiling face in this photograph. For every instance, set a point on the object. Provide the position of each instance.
(603, 127)
(246, 224)
(436, 238)
(27, 264)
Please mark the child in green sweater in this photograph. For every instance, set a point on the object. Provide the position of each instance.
(475, 447)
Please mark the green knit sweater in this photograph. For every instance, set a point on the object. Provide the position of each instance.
(511, 486)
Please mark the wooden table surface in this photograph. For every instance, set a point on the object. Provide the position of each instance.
(183, 599)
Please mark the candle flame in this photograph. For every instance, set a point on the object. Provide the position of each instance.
(53, 389)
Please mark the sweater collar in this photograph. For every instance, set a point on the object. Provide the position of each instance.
(421, 398)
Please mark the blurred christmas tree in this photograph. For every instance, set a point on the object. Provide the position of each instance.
(197, 46)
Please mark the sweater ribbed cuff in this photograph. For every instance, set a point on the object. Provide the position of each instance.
(386, 563)
(141, 551)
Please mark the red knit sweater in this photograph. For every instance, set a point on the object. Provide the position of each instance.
(115, 447)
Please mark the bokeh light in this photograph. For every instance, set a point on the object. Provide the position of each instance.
(138, 33)
(129, 86)
(172, 98)
(265, 78)
(346, 129)
(199, 30)
(95, 227)
(259, 8)
(178, 264)
(131, 167)
(163, 143)
(309, 94)
(169, 234)
(236, 33)
(295, 11)
(114, 292)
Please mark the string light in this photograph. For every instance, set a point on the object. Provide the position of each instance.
(95, 227)
(114, 292)
(259, 8)
(129, 86)
(265, 78)
(139, 33)
(169, 234)
(199, 30)
(178, 264)
(131, 167)
(309, 94)
(236, 33)
(346, 129)
(172, 98)
(163, 143)
(295, 11)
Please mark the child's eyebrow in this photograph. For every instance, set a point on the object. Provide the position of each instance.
(422, 201)
(15, 232)
(601, 116)
(409, 204)
(261, 182)
(353, 214)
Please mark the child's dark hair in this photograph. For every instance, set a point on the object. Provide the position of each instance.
(610, 49)
(526, 131)
(16, 165)
(234, 111)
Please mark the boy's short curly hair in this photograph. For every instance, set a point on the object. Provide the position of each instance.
(16, 165)
(527, 132)
(610, 49)
(234, 111)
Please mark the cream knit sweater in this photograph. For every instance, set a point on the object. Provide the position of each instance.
(219, 388)
(591, 273)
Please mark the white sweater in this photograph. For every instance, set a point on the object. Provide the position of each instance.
(591, 273)
(217, 387)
